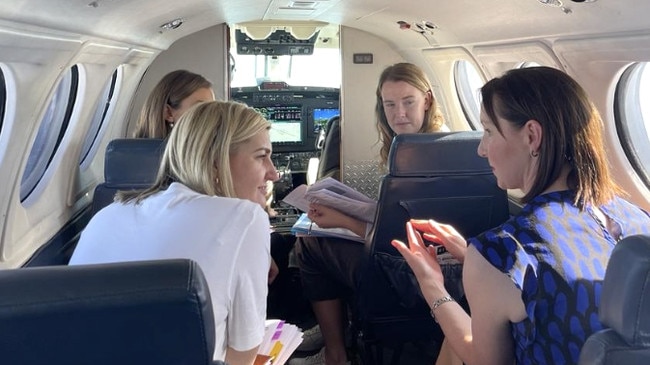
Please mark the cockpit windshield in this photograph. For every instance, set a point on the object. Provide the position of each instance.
(281, 58)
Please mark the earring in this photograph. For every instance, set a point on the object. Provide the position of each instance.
(534, 153)
(170, 124)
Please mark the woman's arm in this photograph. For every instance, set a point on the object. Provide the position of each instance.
(249, 288)
(453, 320)
(234, 357)
(494, 302)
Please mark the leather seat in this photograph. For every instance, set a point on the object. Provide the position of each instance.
(330, 158)
(437, 176)
(129, 163)
(624, 308)
(147, 312)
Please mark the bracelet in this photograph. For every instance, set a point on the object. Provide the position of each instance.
(438, 303)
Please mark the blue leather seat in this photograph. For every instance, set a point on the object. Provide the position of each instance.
(147, 312)
(129, 163)
(624, 308)
(437, 176)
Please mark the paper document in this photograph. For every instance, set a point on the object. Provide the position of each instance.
(305, 227)
(334, 194)
(280, 340)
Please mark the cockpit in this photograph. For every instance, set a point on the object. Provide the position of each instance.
(291, 74)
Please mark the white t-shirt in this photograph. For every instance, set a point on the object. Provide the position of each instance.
(229, 239)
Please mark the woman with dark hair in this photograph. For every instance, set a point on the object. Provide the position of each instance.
(533, 283)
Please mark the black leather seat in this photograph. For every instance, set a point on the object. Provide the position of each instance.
(129, 163)
(437, 176)
(330, 158)
(624, 308)
(147, 312)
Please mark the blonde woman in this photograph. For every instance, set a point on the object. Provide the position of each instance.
(207, 204)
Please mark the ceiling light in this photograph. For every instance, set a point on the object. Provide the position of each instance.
(172, 24)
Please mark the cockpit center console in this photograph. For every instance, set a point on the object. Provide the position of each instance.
(298, 115)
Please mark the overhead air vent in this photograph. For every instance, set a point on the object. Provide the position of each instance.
(280, 42)
(302, 4)
(297, 9)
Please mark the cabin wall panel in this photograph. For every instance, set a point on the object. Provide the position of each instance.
(35, 82)
(101, 61)
(359, 134)
(36, 62)
(497, 59)
(134, 63)
(442, 62)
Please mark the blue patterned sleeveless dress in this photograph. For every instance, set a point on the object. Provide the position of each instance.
(557, 255)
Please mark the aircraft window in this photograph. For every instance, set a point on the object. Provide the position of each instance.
(51, 131)
(632, 113)
(468, 84)
(103, 111)
(7, 100)
(3, 97)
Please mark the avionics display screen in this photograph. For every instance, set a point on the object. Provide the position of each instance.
(286, 122)
(322, 115)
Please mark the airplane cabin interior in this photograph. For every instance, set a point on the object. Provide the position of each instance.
(74, 76)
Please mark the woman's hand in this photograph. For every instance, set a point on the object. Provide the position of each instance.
(326, 217)
(442, 234)
(424, 263)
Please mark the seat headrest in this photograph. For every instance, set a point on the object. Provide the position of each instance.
(625, 299)
(332, 121)
(330, 159)
(132, 161)
(437, 154)
(147, 312)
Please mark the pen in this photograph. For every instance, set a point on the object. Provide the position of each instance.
(311, 223)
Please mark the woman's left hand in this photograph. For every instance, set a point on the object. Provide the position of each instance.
(424, 263)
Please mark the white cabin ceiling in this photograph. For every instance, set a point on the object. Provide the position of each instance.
(459, 21)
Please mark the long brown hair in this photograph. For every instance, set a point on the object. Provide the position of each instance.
(171, 90)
